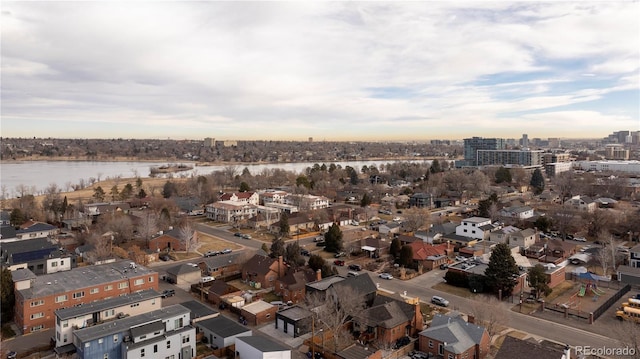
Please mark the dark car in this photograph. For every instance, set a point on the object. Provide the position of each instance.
(355, 267)
(168, 293)
(165, 258)
(305, 252)
(238, 234)
(444, 266)
(338, 262)
(12, 355)
(321, 244)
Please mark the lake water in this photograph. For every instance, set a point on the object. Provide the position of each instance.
(40, 174)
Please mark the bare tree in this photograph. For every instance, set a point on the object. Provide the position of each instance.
(628, 334)
(102, 247)
(148, 225)
(489, 313)
(187, 236)
(121, 226)
(415, 218)
(332, 309)
(598, 222)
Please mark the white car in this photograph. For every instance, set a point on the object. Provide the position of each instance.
(439, 301)
(385, 276)
(580, 239)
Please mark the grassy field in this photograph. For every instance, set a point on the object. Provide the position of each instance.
(210, 243)
(458, 291)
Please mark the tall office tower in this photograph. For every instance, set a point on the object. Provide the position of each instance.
(616, 152)
(209, 142)
(524, 141)
(472, 145)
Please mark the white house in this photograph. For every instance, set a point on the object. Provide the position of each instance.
(518, 212)
(241, 197)
(634, 256)
(307, 202)
(475, 227)
(581, 203)
(230, 211)
(260, 347)
(272, 196)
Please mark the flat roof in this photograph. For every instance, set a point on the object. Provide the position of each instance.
(223, 326)
(295, 313)
(258, 306)
(263, 344)
(82, 277)
(122, 325)
(100, 305)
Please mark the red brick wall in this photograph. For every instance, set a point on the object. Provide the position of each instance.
(161, 243)
(24, 310)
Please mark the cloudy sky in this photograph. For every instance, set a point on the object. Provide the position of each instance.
(327, 70)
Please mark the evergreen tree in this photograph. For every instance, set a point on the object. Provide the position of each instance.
(537, 181)
(98, 194)
(539, 281)
(244, 187)
(7, 298)
(265, 247)
(169, 189)
(114, 193)
(303, 181)
(292, 254)
(543, 223)
(17, 217)
(142, 194)
(277, 248)
(333, 238)
(484, 206)
(395, 248)
(435, 167)
(503, 175)
(316, 262)
(502, 271)
(365, 201)
(284, 224)
(406, 256)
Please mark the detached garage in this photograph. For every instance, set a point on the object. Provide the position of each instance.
(294, 321)
(259, 347)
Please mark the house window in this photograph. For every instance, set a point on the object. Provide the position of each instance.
(115, 338)
(155, 348)
(450, 356)
(65, 324)
(108, 287)
(62, 262)
(61, 298)
(139, 281)
(123, 285)
(54, 264)
(105, 356)
(37, 315)
(78, 295)
(185, 339)
(100, 341)
(465, 230)
(143, 337)
(268, 315)
(135, 305)
(37, 328)
(430, 343)
(141, 352)
(168, 344)
(94, 290)
(150, 279)
(36, 303)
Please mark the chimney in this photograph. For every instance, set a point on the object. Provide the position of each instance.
(418, 318)
(318, 274)
(280, 266)
(471, 319)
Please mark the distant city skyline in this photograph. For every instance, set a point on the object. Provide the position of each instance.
(335, 71)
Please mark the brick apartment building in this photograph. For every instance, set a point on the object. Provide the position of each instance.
(37, 297)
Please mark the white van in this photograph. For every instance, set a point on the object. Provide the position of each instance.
(206, 279)
(352, 274)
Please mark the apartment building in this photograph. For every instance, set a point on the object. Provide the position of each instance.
(524, 158)
(474, 144)
(74, 318)
(616, 152)
(37, 298)
(162, 333)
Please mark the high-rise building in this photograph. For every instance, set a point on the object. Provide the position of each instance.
(474, 144)
(524, 141)
(209, 142)
(618, 137)
(616, 152)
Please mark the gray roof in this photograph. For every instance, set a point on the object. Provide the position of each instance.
(223, 326)
(37, 227)
(182, 269)
(455, 332)
(100, 305)
(198, 310)
(156, 340)
(476, 220)
(325, 283)
(635, 248)
(356, 352)
(82, 277)
(123, 325)
(7, 232)
(221, 261)
(263, 344)
(295, 313)
(522, 349)
(22, 274)
(362, 284)
(388, 315)
(147, 328)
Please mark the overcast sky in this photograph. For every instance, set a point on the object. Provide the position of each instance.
(327, 70)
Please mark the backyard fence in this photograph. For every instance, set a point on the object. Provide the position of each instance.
(609, 302)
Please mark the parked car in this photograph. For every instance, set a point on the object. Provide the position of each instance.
(246, 236)
(444, 266)
(211, 253)
(580, 239)
(340, 254)
(355, 267)
(226, 251)
(207, 279)
(238, 234)
(305, 252)
(321, 244)
(165, 257)
(168, 293)
(338, 262)
(12, 355)
(439, 301)
(385, 276)
(318, 239)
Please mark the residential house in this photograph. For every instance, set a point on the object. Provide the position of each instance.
(7, 234)
(477, 267)
(259, 312)
(263, 271)
(389, 228)
(628, 274)
(37, 298)
(513, 236)
(184, 274)
(429, 256)
(454, 338)
(220, 290)
(475, 227)
(222, 332)
(5, 218)
(220, 266)
(260, 347)
(634, 256)
(170, 240)
(78, 317)
(421, 200)
(38, 255)
(307, 202)
(96, 209)
(162, 333)
(294, 321)
(360, 288)
(373, 246)
(581, 203)
(516, 212)
(241, 197)
(299, 223)
(32, 230)
(272, 196)
(528, 349)
(387, 320)
(264, 218)
(291, 286)
(436, 232)
(189, 206)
